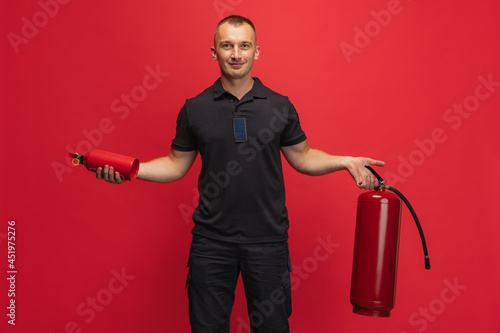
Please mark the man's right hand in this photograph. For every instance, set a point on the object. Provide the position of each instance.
(108, 174)
(161, 170)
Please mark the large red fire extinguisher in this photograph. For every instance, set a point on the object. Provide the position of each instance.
(126, 166)
(376, 243)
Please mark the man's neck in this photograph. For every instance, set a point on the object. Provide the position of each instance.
(237, 87)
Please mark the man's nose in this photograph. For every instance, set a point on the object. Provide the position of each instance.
(236, 54)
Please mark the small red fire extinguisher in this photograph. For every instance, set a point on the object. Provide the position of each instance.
(127, 166)
(376, 243)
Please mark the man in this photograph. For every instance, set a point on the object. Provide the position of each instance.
(239, 126)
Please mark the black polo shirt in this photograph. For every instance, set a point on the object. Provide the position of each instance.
(241, 186)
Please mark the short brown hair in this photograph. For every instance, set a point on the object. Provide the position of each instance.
(235, 20)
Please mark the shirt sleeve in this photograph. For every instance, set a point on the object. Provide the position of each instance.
(184, 139)
(293, 133)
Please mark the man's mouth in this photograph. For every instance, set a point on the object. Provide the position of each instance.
(236, 65)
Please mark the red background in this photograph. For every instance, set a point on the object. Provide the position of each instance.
(385, 100)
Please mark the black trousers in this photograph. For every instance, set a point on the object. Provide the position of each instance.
(214, 267)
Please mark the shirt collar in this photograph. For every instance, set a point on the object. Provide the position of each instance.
(258, 89)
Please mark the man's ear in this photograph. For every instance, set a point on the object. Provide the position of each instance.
(257, 53)
(214, 53)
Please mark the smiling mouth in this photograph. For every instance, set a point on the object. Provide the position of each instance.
(236, 64)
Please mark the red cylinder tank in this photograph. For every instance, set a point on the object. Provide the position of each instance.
(376, 243)
(127, 166)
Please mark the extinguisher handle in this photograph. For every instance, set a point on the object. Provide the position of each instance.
(380, 180)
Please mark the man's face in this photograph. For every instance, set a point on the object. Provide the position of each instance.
(235, 49)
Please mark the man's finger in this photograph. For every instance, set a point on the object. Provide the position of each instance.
(118, 178)
(98, 173)
(369, 182)
(373, 182)
(111, 174)
(377, 163)
(359, 180)
(105, 173)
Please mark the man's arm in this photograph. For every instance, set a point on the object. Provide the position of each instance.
(161, 170)
(314, 162)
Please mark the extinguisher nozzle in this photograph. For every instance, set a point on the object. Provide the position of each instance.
(427, 263)
(77, 159)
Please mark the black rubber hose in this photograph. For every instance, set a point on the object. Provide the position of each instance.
(419, 227)
(412, 211)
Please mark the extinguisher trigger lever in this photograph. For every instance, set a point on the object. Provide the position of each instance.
(380, 180)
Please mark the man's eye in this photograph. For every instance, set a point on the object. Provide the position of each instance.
(226, 46)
